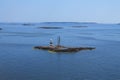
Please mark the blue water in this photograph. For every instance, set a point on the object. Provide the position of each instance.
(19, 61)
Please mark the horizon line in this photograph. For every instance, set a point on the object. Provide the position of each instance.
(63, 22)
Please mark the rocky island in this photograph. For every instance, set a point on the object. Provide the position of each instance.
(59, 48)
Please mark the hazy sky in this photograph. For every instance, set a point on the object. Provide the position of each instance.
(102, 11)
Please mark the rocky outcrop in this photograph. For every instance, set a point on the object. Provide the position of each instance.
(51, 27)
(63, 49)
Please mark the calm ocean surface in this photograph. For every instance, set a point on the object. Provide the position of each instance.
(19, 61)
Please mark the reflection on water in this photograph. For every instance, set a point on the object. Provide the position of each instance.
(19, 61)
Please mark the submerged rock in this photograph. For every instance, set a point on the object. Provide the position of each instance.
(27, 24)
(0, 28)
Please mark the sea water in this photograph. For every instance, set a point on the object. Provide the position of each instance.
(20, 61)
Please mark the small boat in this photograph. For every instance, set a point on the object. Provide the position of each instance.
(59, 48)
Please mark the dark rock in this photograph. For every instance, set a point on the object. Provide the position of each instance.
(51, 27)
(0, 28)
(64, 49)
(27, 24)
